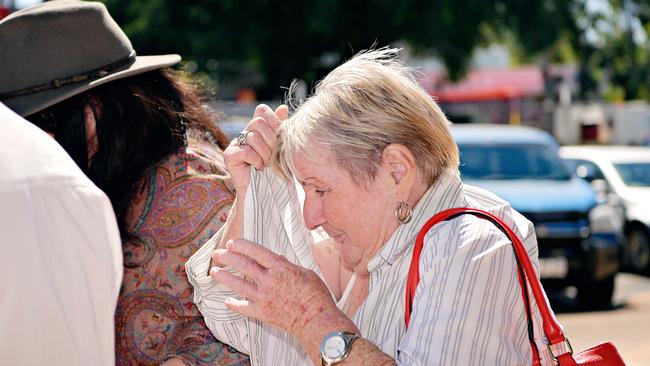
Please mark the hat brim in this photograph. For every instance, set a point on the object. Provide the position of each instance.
(29, 104)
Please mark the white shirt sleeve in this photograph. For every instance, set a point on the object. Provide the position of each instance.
(61, 255)
(209, 296)
(273, 219)
(468, 308)
(62, 269)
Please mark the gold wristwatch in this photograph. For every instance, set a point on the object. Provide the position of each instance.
(335, 347)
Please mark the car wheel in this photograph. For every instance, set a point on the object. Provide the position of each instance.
(596, 293)
(638, 251)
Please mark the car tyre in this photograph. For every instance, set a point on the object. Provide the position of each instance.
(596, 294)
(637, 251)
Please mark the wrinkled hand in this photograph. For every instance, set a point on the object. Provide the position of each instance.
(260, 141)
(277, 291)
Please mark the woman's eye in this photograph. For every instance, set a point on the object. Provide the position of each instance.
(321, 192)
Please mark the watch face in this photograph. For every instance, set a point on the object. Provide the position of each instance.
(334, 347)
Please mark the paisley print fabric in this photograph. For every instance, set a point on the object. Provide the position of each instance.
(180, 204)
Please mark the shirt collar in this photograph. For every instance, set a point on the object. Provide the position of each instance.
(445, 193)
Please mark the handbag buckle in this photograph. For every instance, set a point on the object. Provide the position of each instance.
(559, 348)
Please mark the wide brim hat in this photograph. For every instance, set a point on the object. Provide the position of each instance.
(55, 50)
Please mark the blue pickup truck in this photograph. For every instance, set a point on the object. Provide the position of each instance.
(579, 238)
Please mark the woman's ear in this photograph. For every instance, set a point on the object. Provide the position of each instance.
(90, 125)
(96, 105)
(398, 160)
(92, 112)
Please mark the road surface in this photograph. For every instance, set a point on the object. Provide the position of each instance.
(626, 324)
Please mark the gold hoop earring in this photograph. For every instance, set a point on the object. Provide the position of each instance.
(403, 213)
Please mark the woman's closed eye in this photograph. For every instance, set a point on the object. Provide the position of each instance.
(311, 187)
(321, 192)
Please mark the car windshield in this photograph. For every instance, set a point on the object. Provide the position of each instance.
(634, 174)
(511, 162)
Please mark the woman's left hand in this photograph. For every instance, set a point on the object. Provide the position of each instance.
(278, 292)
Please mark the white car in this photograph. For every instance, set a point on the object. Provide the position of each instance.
(626, 172)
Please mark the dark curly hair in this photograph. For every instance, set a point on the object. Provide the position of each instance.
(139, 121)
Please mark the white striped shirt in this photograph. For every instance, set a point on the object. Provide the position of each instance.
(467, 310)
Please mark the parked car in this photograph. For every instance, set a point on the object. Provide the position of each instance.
(578, 238)
(232, 129)
(237, 114)
(625, 170)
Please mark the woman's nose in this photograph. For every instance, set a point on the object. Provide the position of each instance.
(313, 213)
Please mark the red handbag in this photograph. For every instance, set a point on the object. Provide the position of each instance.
(604, 354)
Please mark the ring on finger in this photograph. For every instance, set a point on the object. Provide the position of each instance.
(241, 138)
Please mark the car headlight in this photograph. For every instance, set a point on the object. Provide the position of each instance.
(605, 219)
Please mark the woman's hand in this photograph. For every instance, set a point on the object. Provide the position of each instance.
(255, 149)
(290, 297)
(278, 292)
(261, 136)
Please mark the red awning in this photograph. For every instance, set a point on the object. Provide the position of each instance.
(460, 96)
(486, 84)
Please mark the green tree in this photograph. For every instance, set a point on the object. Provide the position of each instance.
(282, 40)
(613, 50)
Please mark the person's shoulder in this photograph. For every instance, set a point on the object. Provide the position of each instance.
(197, 163)
(483, 197)
(186, 181)
(199, 159)
(474, 236)
(461, 231)
(206, 150)
(490, 202)
(471, 234)
(29, 157)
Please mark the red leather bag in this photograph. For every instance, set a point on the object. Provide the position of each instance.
(604, 354)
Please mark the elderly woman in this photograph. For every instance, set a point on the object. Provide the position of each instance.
(374, 156)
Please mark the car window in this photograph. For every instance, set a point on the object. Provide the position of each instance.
(586, 169)
(511, 162)
(634, 174)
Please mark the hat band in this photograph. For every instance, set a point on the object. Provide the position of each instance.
(74, 79)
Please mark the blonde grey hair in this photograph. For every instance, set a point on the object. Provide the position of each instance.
(361, 107)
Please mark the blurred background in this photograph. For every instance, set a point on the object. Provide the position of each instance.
(576, 68)
(549, 100)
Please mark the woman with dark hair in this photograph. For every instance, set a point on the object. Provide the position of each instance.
(118, 131)
(139, 131)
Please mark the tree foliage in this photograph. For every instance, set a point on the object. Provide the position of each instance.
(613, 50)
(283, 40)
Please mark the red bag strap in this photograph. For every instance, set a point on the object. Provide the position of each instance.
(552, 328)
